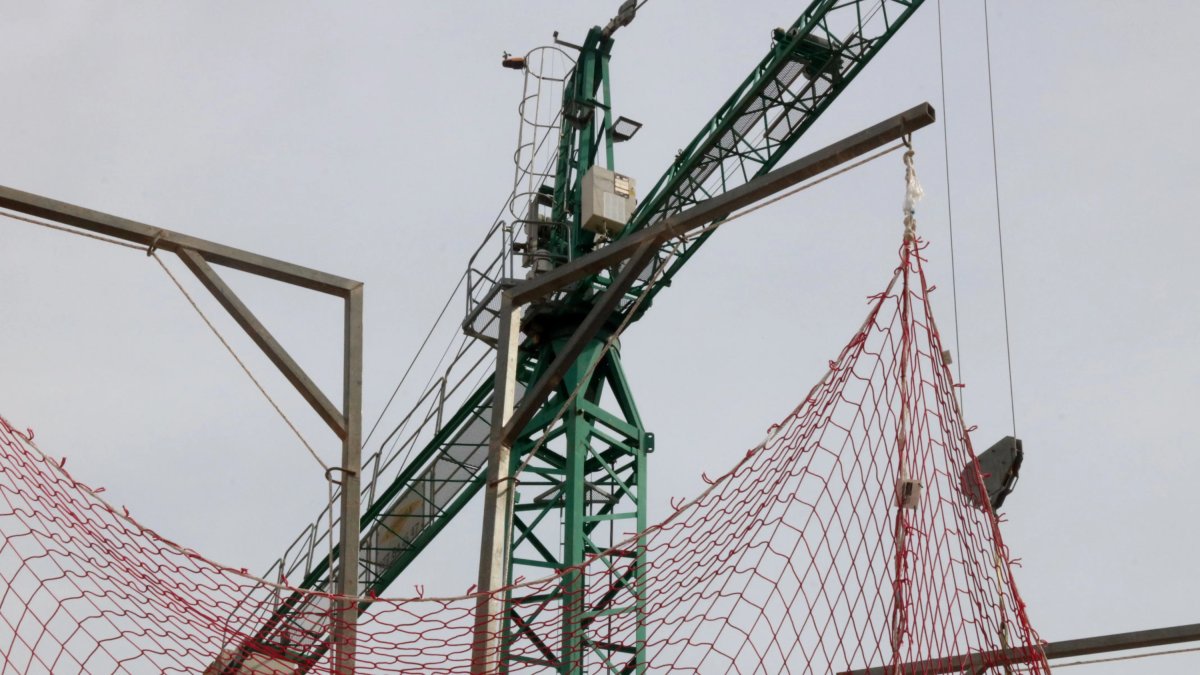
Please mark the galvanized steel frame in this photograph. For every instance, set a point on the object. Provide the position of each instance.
(198, 255)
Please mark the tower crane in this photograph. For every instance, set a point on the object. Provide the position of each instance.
(583, 453)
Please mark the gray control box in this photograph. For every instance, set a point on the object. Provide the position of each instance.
(609, 199)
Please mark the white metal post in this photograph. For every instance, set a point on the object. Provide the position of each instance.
(499, 492)
(345, 632)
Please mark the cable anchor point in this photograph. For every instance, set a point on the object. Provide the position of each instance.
(153, 247)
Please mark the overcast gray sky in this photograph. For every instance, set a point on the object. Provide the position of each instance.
(374, 140)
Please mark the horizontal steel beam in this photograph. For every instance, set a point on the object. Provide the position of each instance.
(1063, 649)
(168, 240)
(722, 206)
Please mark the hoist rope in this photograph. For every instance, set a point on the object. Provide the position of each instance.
(228, 347)
(987, 34)
(950, 208)
(1004, 627)
(522, 169)
(236, 357)
(68, 230)
(412, 363)
(329, 480)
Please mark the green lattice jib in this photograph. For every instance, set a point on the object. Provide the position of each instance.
(581, 494)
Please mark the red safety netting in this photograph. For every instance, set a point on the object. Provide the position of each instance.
(817, 553)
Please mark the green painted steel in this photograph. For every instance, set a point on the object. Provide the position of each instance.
(808, 65)
(586, 137)
(589, 477)
(583, 491)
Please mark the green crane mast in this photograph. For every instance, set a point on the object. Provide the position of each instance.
(584, 458)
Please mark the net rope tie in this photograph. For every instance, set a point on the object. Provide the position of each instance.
(913, 192)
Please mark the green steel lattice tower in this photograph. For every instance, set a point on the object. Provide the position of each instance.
(583, 488)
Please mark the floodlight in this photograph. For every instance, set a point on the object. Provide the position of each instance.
(624, 129)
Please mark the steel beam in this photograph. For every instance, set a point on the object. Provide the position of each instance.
(345, 631)
(639, 247)
(1063, 649)
(588, 328)
(196, 254)
(495, 544)
(265, 341)
(168, 240)
(757, 189)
